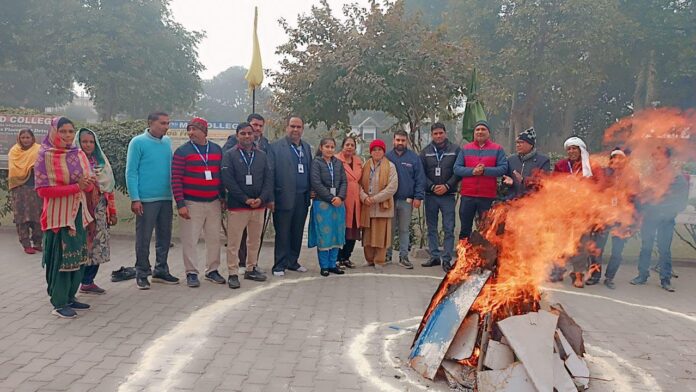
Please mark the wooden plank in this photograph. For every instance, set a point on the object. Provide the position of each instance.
(462, 346)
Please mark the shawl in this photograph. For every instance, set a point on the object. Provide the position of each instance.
(60, 165)
(21, 162)
(102, 168)
(352, 202)
(584, 155)
(383, 182)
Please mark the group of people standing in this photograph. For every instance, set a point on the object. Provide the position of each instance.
(72, 184)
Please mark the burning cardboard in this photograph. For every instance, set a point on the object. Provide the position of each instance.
(434, 340)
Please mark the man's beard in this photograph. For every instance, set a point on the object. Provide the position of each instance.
(400, 148)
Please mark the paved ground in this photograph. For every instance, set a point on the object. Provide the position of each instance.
(302, 332)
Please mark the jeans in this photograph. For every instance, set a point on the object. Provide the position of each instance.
(434, 205)
(617, 247)
(347, 250)
(468, 208)
(90, 274)
(401, 224)
(327, 258)
(289, 228)
(157, 216)
(662, 229)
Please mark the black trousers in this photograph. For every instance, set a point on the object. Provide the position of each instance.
(347, 250)
(469, 207)
(289, 227)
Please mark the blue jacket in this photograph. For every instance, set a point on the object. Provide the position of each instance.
(409, 169)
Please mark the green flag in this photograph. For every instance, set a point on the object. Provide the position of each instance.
(473, 112)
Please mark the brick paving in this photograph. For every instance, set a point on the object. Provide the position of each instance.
(301, 332)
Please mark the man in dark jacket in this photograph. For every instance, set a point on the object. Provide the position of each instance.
(408, 196)
(440, 194)
(659, 219)
(257, 123)
(524, 166)
(291, 159)
(246, 174)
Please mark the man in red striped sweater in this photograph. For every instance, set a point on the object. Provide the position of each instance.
(198, 192)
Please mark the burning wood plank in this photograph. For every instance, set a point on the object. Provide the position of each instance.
(464, 341)
(514, 378)
(531, 337)
(436, 336)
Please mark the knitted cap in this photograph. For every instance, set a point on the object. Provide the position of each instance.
(528, 135)
(199, 123)
(377, 143)
(484, 123)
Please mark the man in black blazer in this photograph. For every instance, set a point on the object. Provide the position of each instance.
(290, 161)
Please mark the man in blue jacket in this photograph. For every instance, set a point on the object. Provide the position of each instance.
(409, 194)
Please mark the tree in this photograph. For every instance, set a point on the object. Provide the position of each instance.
(226, 97)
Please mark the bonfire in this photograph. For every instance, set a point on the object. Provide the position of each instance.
(486, 327)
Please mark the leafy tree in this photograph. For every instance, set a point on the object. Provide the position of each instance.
(226, 97)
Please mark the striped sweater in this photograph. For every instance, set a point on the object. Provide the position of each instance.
(493, 158)
(188, 173)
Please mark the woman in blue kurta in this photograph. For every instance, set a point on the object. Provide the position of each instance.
(327, 221)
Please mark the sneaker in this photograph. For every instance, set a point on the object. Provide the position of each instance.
(123, 273)
(278, 273)
(348, 264)
(446, 265)
(259, 270)
(609, 283)
(405, 262)
(388, 260)
(142, 283)
(192, 280)
(301, 269)
(233, 282)
(78, 305)
(91, 289)
(255, 275)
(215, 277)
(593, 280)
(638, 280)
(432, 262)
(667, 286)
(165, 278)
(66, 313)
(336, 271)
(324, 272)
(29, 250)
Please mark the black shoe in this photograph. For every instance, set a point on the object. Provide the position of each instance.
(78, 305)
(255, 275)
(66, 313)
(215, 277)
(609, 283)
(348, 264)
(405, 262)
(324, 272)
(432, 262)
(165, 278)
(446, 265)
(336, 271)
(233, 282)
(192, 280)
(142, 283)
(665, 284)
(593, 280)
(123, 273)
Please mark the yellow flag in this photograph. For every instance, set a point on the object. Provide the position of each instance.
(255, 74)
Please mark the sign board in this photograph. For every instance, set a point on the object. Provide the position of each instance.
(688, 216)
(11, 124)
(217, 132)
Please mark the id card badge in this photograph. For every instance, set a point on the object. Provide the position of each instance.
(208, 175)
(300, 168)
(333, 191)
(249, 180)
(437, 172)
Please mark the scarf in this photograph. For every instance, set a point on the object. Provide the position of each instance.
(102, 167)
(584, 155)
(528, 156)
(58, 165)
(351, 168)
(383, 171)
(21, 162)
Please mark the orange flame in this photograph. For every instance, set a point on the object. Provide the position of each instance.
(472, 361)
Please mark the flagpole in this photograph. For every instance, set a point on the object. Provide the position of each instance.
(253, 100)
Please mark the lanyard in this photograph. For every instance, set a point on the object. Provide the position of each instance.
(331, 171)
(298, 151)
(248, 163)
(207, 149)
(570, 167)
(437, 156)
(373, 168)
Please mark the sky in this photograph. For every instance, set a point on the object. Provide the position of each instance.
(228, 25)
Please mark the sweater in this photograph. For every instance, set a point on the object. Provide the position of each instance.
(188, 173)
(409, 169)
(148, 168)
(448, 156)
(492, 156)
